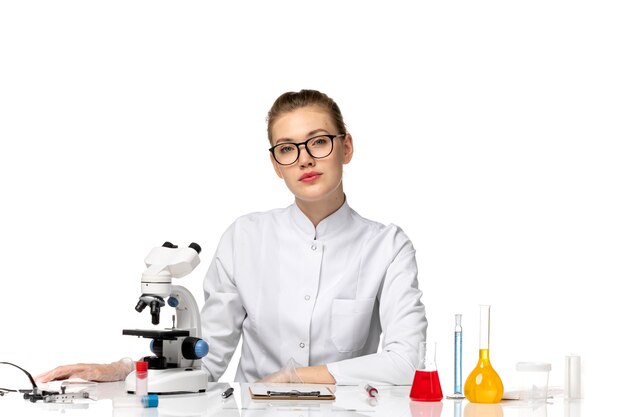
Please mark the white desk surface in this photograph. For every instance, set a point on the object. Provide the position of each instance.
(351, 401)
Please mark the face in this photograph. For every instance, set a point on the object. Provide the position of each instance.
(310, 179)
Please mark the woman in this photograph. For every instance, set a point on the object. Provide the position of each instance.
(309, 287)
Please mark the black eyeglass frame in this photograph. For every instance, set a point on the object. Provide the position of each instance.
(306, 146)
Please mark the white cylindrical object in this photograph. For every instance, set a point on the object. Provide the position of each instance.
(572, 377)
(533, 378)
(141, 378)
(136, 401)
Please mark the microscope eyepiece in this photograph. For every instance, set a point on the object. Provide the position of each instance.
(195, 246)
(140, 306)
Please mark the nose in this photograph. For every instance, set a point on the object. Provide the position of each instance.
(305, 159)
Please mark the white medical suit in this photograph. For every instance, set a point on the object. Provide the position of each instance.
(318, 295)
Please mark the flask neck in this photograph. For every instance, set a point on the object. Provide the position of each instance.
(484, 327)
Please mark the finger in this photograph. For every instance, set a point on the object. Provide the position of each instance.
(42, 377)
(60, 372)
(47, 376)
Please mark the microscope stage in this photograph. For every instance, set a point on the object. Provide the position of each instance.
(156, 334)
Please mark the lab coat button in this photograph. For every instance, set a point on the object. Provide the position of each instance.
(313, 247)
(307, 297)
(302, 345)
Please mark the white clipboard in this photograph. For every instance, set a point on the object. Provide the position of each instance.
(313, 392)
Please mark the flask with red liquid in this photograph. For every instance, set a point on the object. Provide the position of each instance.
(426, 385)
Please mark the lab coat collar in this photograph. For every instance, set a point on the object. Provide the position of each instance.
(326, 228)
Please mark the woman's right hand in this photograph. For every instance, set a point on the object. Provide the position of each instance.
(99, 372)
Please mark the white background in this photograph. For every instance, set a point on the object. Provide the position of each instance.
(491, 132)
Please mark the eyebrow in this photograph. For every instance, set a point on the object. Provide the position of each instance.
(308, 135)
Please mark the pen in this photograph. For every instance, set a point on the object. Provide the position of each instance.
(228, 392)
(373, 392)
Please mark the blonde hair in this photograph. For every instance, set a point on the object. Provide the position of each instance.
(290, 101)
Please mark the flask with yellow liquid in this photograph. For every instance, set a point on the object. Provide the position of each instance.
(483, 384)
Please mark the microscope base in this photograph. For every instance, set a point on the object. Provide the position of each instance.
(172, 381)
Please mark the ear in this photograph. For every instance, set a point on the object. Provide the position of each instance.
(348, 148)
(276, 166)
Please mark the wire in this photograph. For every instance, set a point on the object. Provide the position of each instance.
(30, 377)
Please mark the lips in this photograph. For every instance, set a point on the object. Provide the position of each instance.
(309, 176)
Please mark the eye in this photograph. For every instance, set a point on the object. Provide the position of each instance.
(284, 149)
(320, 141)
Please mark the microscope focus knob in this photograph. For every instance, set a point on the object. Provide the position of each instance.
(194, 348)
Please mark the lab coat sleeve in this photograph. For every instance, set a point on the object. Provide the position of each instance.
(403, 322)
(223, 313)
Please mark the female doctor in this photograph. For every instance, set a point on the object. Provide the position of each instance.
(311, 287)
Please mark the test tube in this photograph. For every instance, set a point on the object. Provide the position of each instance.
(141, 378)
(458, 350)
(572, 377)
(458, 359)
(136, 401)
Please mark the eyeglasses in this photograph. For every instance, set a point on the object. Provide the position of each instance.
(318, 147)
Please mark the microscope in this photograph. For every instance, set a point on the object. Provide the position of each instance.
(175, 366)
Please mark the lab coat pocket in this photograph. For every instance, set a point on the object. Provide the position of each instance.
(350, 323)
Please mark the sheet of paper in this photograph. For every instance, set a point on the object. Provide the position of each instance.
(261, 389)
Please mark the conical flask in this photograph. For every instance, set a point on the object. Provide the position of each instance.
(426, 385)
(483, 384)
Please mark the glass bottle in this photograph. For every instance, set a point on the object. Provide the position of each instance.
(483, 384)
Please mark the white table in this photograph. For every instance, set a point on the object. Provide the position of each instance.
(351, 401)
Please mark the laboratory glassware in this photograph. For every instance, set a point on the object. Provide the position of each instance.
(483, 384)
(572, 377)
(533, 380)
(141, 378)
(426, 385)
(458, 359)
